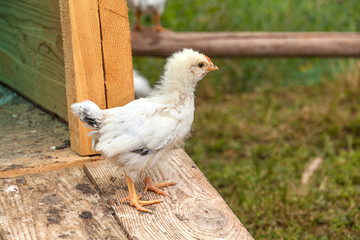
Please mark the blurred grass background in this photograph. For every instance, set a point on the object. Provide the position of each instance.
(260, 122)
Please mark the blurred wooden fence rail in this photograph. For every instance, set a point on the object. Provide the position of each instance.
(248, 44)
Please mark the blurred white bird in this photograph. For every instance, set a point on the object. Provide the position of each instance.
(141, 85)
(154, 7)
(137, 135)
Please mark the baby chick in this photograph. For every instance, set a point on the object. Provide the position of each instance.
(137, 135)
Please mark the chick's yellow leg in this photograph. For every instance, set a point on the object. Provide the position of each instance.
(149, 185)
(138, 26)
(158, 27)
(134, 199)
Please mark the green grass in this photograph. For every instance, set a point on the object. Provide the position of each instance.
(261, 143)
(259, 122)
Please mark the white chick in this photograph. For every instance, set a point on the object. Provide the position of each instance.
(137, 135)
(141, 85)
(154, 7)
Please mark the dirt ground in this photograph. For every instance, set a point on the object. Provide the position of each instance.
(26, 130)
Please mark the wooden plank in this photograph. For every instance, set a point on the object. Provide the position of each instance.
(83, 64)
(29, 138)
(31, 52)
(247, 44)
(55, 205)
(44, 162)
(115, 30)
(192, 210)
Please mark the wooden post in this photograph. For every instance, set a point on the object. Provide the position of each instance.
(83, 64)
(98, 64)
(116, 45)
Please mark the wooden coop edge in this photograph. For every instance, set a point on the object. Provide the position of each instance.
(60, 159)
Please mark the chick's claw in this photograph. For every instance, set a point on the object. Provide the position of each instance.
(155, 187)
(136, 202)
(128, 198)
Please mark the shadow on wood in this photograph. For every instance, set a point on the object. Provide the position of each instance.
(247, 44)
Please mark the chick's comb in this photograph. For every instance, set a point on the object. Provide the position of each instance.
(208, 59)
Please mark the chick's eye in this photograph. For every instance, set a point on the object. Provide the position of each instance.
(200, 65)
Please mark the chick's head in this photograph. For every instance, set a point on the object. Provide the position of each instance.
(188, 65)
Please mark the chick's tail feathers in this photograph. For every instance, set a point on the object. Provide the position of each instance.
(89, 113)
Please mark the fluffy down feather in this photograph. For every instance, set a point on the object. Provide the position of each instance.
(89, 113)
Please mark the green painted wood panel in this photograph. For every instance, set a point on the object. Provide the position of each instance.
(31, 52)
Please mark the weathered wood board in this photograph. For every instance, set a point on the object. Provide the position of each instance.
(44, 162)
(192, 210)
(31, 52)
(60, 204)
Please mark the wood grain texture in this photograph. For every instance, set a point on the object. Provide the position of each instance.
(247, 44)
(45, 161)
(116, 44)
(83, 64)
(29, 138)
(192, 210)
(31, 52)
(55, 205)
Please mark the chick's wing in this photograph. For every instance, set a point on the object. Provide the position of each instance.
(142, 125)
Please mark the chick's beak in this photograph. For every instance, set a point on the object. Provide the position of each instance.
(213, 67)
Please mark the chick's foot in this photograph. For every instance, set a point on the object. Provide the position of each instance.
(134, 199)
(160, 29)
(155, 187)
